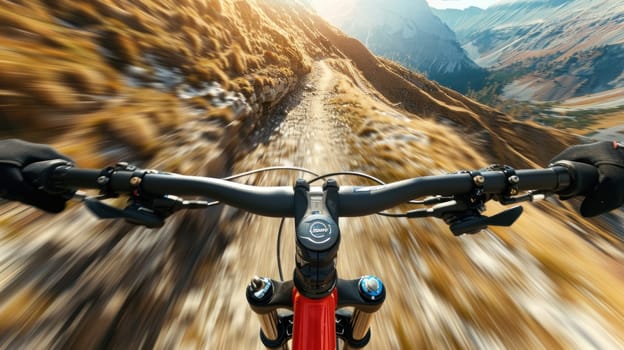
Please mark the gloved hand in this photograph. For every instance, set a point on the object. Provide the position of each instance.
(15, 155)
(608, 157)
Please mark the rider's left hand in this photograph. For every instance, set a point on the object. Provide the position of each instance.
(14, 156)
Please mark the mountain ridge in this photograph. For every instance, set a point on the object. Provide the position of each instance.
(408, 32)
(572, 44)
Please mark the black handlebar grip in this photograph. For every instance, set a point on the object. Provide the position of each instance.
(72, 178)
(583, 178)
(40, 175)
(58, 176)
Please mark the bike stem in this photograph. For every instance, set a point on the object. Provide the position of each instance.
(315, 287)
(317, 238)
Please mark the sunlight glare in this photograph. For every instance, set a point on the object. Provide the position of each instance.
(331, 9)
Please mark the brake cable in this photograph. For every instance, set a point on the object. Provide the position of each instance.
(267, 169)
(348, 173)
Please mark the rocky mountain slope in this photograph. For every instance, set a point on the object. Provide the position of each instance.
(552, 49)
(407, 32)
(218, 87)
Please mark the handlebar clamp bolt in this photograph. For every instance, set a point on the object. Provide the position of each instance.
(135, 181)
(102, 180)
(479, 180)
(514, 179)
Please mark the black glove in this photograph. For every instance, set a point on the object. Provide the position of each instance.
(608, 157)
(15, 155)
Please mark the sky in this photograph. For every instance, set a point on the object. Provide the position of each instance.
(330, 5)
(460, 4)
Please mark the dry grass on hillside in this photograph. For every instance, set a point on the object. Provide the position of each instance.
(394, 145)
(72, 66)
(603, 121)
(83, 73)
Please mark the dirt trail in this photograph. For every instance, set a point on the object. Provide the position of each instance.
(308, 135)
(304, 134)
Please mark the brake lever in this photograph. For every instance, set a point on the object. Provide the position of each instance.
(170, 204)
(528, 197)
(474, 223)
(151, 214)
(134, 213)
(432, 200)
(464, 218)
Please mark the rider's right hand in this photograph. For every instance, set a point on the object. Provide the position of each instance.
(14, 156)
(608, 157)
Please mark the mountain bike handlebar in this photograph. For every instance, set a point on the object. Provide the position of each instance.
(570, 177)
(321, 302)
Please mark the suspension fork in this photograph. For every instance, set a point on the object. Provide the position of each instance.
(364, 295)
(265, 297)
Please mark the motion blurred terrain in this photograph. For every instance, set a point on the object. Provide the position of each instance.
(217, 87)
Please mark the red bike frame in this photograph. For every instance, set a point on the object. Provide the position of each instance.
(314, 322)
